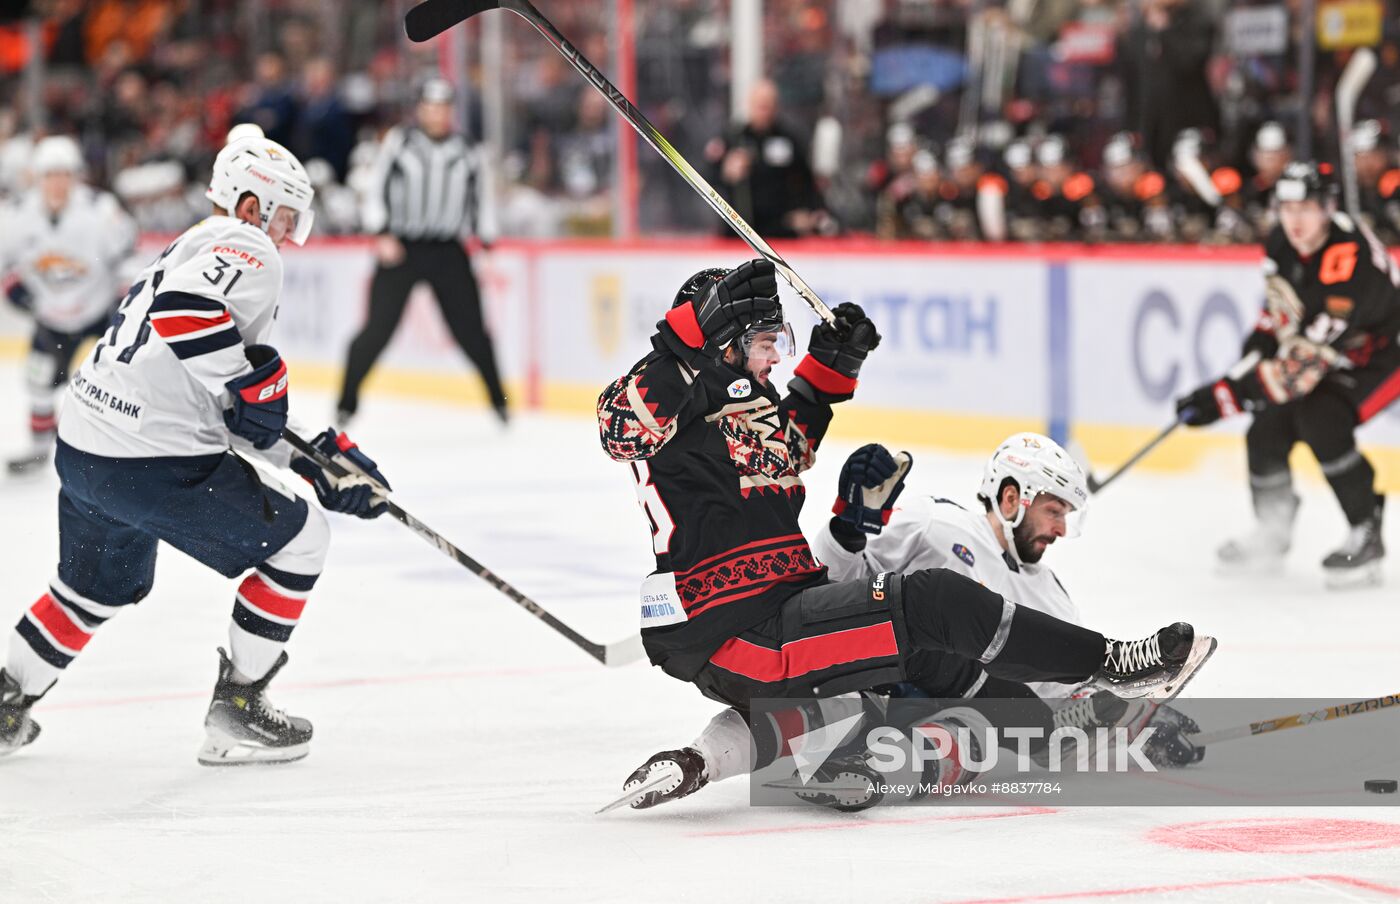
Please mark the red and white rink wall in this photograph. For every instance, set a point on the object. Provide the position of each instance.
(979, 341)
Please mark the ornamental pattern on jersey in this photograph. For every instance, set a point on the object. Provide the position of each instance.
(739, 575)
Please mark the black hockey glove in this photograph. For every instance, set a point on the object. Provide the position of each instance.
(1210, 403)
(871, 480)
(19, 295)
(358, 493)
(835, 354)
(698, 333)
(1261, 341)
(259, 409)
(1169, 746)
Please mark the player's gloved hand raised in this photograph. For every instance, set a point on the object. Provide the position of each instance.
(871, 480)
(696, 332)
(1169, 745)
(259, 409)
(836, 353)
(360, 492)
(1210, 403)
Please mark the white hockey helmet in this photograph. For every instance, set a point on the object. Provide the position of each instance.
(56, 154)
(270, 172)
(1035, 464)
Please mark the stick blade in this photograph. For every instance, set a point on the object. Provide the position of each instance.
(433, 17)
(624, 651)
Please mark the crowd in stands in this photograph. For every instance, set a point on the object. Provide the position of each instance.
(904, 119)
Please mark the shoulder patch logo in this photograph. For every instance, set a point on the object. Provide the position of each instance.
(739, 388)
(962, 552)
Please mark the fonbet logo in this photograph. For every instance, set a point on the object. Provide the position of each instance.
(740, 388)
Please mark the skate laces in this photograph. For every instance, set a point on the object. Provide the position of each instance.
(1076, 714)
(266, 708)
(1135, 655)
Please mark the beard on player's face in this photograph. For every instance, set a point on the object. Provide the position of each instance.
(1030, 546)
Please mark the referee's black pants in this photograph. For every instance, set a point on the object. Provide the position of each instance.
(445, 266)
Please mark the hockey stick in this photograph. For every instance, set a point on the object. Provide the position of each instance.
(1349, 87)
(432, 17)
(1240, 368)
(614, 654)
(1297, 720)
(1095, 484)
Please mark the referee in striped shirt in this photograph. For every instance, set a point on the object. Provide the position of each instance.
(423, 200)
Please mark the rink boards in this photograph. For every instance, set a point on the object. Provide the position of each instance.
(978, 341)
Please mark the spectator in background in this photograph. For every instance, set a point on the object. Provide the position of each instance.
(135, 23)
(584, 162)
(908, 207)
(1134, 197)
(1378, 186)
(1165, 53)
(1246, 210)
(959, 212)
(325, 128)
(270, 102)
(1066, 195)
(762, 170)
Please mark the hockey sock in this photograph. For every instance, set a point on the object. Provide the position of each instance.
(51, 634)
(724, 744)
(270, 600)
(1353, 480)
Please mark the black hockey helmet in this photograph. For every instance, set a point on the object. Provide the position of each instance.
(1304, 180)
(694, 289)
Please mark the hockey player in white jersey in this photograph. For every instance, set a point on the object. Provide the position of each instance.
(183, 376)
(1032, 494)
(65, 256)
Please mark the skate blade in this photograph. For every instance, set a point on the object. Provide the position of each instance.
(795, 785)
(654, 783)
(1368, 575)
(1201, 650)
(224, 750)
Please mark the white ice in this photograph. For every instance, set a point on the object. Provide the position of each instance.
(461, 747)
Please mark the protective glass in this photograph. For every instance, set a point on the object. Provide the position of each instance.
(783, 342)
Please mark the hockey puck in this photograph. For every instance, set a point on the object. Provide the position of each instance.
(1381, 785)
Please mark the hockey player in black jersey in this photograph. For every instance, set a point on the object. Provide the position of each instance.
(738, 605)
(1328, 362)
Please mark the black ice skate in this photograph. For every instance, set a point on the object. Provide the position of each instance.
(243, 727)
(667, 776)
(1358, 562)
(1089, 713)
(1157, 667)
(846, 783)
(17, 728)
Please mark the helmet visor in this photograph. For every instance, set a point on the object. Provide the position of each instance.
(286, 222)
(778, 334)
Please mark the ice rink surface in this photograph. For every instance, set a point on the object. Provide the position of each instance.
(461, 746)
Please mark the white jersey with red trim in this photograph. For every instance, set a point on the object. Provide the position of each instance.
(925, 532)
(154, 385)
(71, 264)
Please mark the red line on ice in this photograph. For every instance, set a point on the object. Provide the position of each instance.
(871, 823)
(325, 685)
(1352, 881)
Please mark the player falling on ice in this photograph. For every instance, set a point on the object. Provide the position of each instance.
(144, 455)
(64, 249)
(738, 604)
(1032, 493)
(1329, 362)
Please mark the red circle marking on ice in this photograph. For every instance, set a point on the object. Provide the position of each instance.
(1279, 835)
